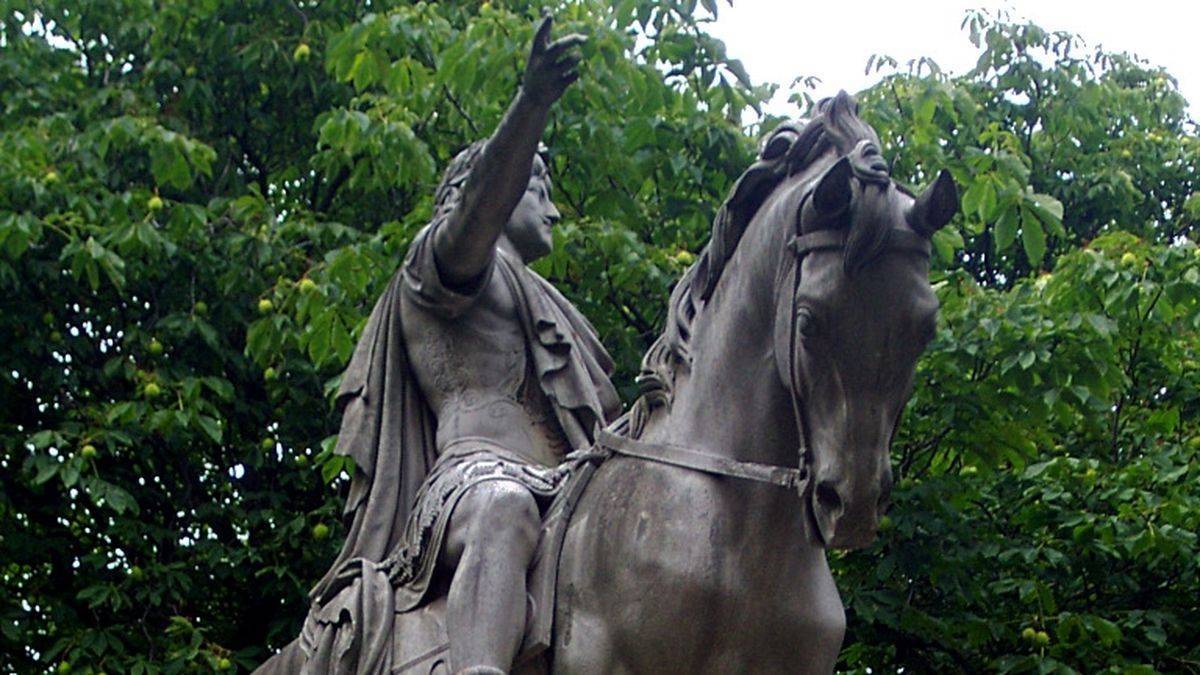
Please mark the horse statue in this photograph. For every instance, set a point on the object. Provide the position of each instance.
(692, 537)
(792, 343)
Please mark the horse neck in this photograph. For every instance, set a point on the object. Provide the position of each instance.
(733, 403)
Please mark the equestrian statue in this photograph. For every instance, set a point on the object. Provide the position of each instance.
(505, 516)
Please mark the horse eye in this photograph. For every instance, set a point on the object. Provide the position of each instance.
(806, 325)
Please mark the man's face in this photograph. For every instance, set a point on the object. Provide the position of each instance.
(530, 225)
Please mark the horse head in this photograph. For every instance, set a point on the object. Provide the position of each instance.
(855, 313)
(852, 310)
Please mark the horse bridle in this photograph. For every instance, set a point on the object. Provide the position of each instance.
(801, 245)
(797, 478)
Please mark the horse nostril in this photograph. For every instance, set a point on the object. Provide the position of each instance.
(828, 498)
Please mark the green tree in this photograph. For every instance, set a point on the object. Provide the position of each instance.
(1047, 517)
(199, 201)
(1042, 122)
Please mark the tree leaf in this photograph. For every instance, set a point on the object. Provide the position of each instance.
(1033, 239)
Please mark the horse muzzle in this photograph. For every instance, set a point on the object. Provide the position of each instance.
(847, 516)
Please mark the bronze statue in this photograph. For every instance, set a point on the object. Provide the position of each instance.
(690, 534)
(473, 379)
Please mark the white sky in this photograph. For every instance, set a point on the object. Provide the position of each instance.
(778, 40)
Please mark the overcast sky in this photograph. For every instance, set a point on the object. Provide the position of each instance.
(779, 40)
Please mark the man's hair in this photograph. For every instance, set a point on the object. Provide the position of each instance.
(449, 191)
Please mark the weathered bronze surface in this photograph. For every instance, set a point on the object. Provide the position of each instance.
(690, 535)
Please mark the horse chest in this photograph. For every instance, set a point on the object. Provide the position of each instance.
(720, 572)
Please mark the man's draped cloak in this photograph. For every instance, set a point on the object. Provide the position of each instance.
(389, 430)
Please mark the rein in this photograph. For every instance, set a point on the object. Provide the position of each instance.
(791, 478)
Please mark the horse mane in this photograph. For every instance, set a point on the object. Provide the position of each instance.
(789, 148)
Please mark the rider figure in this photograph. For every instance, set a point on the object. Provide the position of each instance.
(472, 380)
(479, 328)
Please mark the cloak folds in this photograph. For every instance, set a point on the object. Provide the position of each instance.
(389, 430)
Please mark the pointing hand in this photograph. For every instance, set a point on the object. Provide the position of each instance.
(552, 66)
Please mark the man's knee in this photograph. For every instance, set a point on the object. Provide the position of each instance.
(494, 513)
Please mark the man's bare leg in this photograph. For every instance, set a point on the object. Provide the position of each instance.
(490, 543)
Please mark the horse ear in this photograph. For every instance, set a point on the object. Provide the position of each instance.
(832, 194)
(829, 199)
(934, 207)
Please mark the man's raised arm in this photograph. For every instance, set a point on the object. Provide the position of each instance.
(464, 245)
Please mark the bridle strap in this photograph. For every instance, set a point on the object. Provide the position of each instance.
(674, 455)
(821, 240)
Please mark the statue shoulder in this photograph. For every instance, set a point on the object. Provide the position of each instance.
(425, 284)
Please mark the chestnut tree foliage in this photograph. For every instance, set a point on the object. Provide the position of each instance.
(200, 200)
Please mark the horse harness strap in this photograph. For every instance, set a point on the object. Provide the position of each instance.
(898, 240)
(674, 455)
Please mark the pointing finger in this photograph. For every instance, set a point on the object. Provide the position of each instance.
(542, 37)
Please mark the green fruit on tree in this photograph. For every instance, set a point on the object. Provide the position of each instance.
(224, 664)
(265, 306)
(156, 347)
(64, 667)
(302, 52)
(151, 390)
(1129, 260)
(885, 524)
(307, 285)
(301, 461)
(201, 307)
(155, 203)
(89, 451)
(270, 374)
(48, 319)
(136, 573)
(1194, 443)
(1029, 634)
(1042, 638)
(50, 178)
(268, 443)
(320, 531)
(56, 336)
